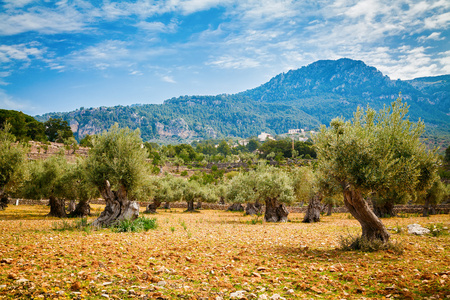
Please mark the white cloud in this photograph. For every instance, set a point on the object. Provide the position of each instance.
(44, 20)
(157, 26)
(8, 102)
(167, 78)
(20, 52)
(230, 62)
(135, 72)
(9, 4)
(101, 56)
(436, 36)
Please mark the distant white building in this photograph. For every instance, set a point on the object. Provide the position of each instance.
(296, 131)
(264, 136)
(302, 139)
(243, 142)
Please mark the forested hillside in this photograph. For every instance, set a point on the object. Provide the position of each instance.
(303, 98)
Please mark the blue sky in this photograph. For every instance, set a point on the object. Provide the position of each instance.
(63, 55)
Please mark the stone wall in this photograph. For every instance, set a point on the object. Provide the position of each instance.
(410, 209)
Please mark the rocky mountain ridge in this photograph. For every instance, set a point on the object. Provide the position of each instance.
(302, 98)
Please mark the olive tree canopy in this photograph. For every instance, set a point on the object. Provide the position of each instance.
(117, 167)
(375, 152)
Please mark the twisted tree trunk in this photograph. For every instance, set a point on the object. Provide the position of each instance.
(151, 208)
(253, 209)
(190, 205)
(313, 211)
(3, 202)
(372, 227)
(199, 205)
(426, 207)
(71, 206)
(117, 208)
(82, 209)
(275, 212)
(57, 207)
(384, 210)
(329, 209)
(236, 207)
(167, 205)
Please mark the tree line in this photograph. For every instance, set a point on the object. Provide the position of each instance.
(375, 157)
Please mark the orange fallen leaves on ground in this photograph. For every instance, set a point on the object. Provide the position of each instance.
(214, 254)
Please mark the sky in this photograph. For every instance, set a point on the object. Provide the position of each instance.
(64, 55)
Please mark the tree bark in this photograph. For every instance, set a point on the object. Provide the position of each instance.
(253, 209)
(190, 205)
(117, 208)
(71, 206)
(57, 207)
(151, 208)
(313, 211)
(372, 227)
(199, 205)
(167, 205)
(275, 212)
(426, 207)
(4, 202)
(236, 207)
(329, 209)
(384, 210)
(82, 209)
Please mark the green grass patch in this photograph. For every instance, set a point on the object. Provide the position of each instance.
(138, 225)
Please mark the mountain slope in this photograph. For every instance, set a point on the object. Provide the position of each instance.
(302, 98)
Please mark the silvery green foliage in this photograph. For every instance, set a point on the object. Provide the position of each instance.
(377, 152)
(12, 157)
(263, 183)
(117, 155)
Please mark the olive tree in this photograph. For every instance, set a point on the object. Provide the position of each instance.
(12, 157)
(375, 152)
(117, 166)
(433, 196)
(46, 179)
(163, 189)
(78, 189)
(266, 184)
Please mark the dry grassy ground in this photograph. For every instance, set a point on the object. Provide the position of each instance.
(213, 254)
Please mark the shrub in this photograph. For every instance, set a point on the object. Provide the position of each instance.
(138, 225)
(437, 229)
(352, 243)
(184, 173)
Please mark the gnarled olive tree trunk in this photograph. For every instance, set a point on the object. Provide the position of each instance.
(199, 205)
(275, 212)
(190, 205)
(117, 208)
(329, 209)
(71, 206)
(384, 210)
(235, 207)
(3, 202)
(151, 208)
(253, 209)
(372, 227)
(57, 207)
(428, 209)
(82, 209)
(167, 205)
(314, 208)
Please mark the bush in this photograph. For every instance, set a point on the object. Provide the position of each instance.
(437, 229)
(138, 225)
(184, 173)
(352, 243)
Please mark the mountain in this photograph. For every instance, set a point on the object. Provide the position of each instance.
(302, 98)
